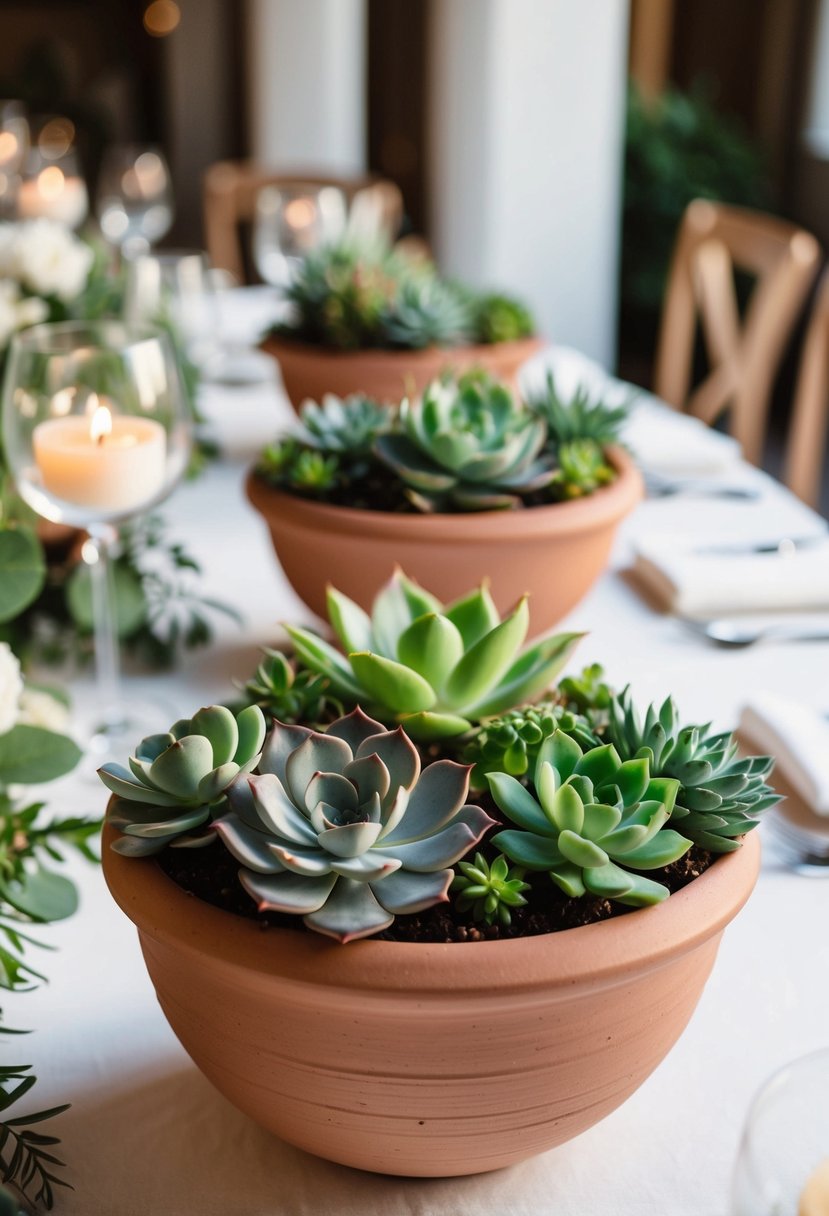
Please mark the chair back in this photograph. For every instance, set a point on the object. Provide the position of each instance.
(231, 189)
(744, 352)
(806, 442)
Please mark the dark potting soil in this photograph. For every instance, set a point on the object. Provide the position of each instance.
(211, 874)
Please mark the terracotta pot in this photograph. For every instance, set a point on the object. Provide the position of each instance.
(422, 1059)
(555, 552)
(387, 375)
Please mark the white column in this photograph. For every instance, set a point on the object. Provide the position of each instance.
(526, 125)
(307, 86)
(816, 127)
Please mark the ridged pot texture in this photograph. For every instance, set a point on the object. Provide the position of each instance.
(429, 1059)
(555, 552)
(387, 375)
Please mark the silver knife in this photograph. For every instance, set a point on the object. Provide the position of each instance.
(782, 546)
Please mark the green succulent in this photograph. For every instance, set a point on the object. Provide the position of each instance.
(510, 743)
(346, 426)
(499, 318)
(467, 443)
(580, 417)
(487, 890)
(582, 469)
(175, 780)
(344, 829)
(289, 465)
(290, 694)
(586, 693)
(437, 670)
(426, 311)
(337, 296)
(590, 820)
(721, 794)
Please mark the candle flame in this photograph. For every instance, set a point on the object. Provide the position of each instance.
(100, 424)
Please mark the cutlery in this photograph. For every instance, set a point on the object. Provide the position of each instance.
(781, 545)
(804, 850)
(663, 487)
(734, 635)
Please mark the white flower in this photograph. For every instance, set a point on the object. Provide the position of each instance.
(11, 687)
(40, 708)
(49, 259)
(16, 311)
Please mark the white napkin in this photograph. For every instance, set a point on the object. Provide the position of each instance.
(798, 738)
(674, 444)
(697, 584)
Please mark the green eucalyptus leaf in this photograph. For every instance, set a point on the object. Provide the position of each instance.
(22, 571)
(31, 754)
(41, 895)
(129, 601)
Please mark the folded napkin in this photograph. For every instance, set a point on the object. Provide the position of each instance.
(798, 738)
(571, 370)
(687, 579)
(664, 441)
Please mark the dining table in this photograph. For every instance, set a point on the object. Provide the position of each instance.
(147, 1135)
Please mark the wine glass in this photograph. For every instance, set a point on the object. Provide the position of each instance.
(95, 429)
(176, 287)
(783, 1164)
(52, 187)
(14, 146)
(290, 222)
(134, 198)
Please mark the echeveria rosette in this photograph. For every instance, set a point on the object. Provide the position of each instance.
(345, 426)
(489, 890)
(344, 829)
(435, 669)
(177, 780)
(467, 444)
(722, 795)
(590, 821)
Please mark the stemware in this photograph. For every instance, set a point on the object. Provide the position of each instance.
(52, 187)
(782, 1166)
(176, 287)
(134, 198)
(292, 221)
(14, 146)
(95, 429)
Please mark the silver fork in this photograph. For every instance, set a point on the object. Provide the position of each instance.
(803, 850)
(659, 486)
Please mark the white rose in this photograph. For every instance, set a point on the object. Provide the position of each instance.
(11, 686)
(50, 260)
(40, 708)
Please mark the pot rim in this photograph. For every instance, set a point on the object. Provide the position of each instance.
(605, 953)
(273, 345)
(578, 515)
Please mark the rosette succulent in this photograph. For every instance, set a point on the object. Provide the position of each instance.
(436, 669)
(489, 890)
(343, 426)
(721, 794)
(426, 311)
(580, 417)
(582, 469)
(345, 830)
(290, 695)
(590, 821)
(467, 443)
(176, 780)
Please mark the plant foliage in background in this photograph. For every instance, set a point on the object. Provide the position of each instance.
(467, 445)
(677, 148)
(33, 749)
(352, 297)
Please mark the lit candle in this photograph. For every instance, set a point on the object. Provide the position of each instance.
(110, 463)
(52, 195)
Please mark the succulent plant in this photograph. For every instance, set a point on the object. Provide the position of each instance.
(437, 670)
(586, 693)
(346, 426)
(303, 470)
(467, 443)
(590, 820)
(582, 469)
(499, 318)
(338, 295)
(580, 417)
(510, 743)
(175, 780)
(291, 694)
(487, 890)
(426, 311)
(721, 794)
(344, 829)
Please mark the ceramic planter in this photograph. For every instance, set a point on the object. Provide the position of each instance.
(387, 375)
(429, 1060)
(555, 552)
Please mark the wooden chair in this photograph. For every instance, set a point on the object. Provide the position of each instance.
(230, 190)
(806, 444)
(744, 353)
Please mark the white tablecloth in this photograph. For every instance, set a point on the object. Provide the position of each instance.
(148, 1136)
